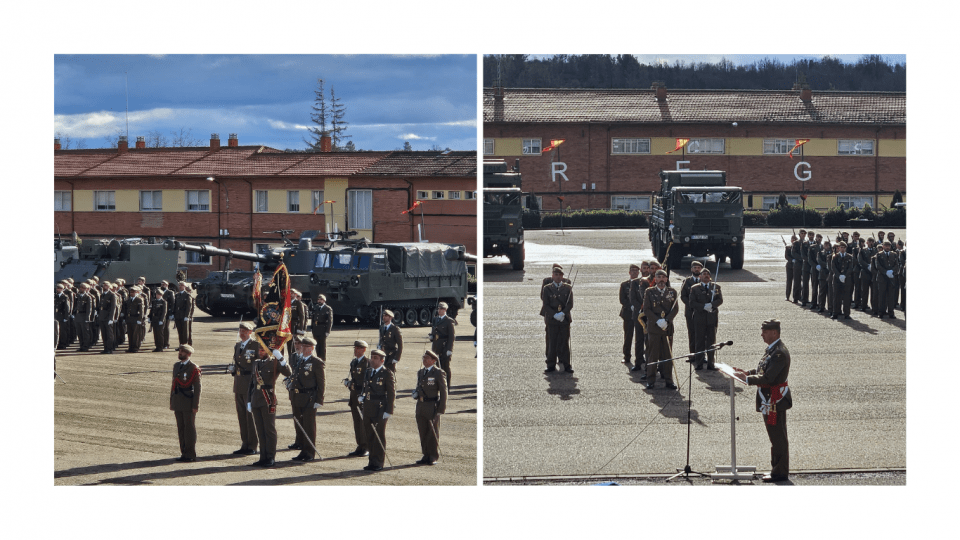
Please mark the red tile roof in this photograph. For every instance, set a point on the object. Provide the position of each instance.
(542, 105)
(408, 164)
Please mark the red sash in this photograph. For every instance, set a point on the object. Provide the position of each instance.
(776, 394)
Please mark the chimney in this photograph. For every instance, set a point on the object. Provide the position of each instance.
(498, 94)
(232, 140)
(326, 145)
(214, 141)
(56, 144)
(806, 95)
(661, 90)
(122, 144)
(141, 143)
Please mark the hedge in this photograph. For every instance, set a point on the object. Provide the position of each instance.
(753, 218)
(593, 218)
(793, 215)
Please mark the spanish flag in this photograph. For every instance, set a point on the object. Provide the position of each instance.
(553, 144)
(680, 144)
(408, 210)
(319, 206)
(800, 142)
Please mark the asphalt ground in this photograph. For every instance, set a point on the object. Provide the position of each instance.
(112, 423)
(848, 377)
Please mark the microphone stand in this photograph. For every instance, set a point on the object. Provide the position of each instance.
(686, 471)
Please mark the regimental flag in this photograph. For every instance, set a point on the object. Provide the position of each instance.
(553, 144)
(408, 210)
(273, 315)
(680, 144)
(800, 142)
(319, 206)
(257, 283)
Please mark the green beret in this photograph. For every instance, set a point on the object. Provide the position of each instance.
(772, 324)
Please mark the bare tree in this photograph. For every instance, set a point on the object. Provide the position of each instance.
(318, 117)
(65, 140)
(338, 126)
(155, 139)
(184, 138)
(113, 140)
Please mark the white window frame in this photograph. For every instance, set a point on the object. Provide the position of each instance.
(530, 144)
(630, 203)
(317, 197)
(854, 147)
(488, 147)
(293, 207)
(629, 146)
(470, 195)
(109, 201)
(766, 201)
(707, 145)
(62, 201)
(261, 208)
(454, 195)
(193, 257)
(778, 147)
(198, 204)
(848, 200)
(156, 200)
(360, 208)
(438, 195)
(425, 195)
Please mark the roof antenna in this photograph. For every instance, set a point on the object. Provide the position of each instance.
(126, 112)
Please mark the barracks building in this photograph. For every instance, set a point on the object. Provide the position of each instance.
(228, 196)
(616, 142)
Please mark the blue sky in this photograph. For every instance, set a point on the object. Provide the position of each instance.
(424, 99)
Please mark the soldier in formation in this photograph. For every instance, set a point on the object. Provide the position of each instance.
(705, 299)
(627, 314)
(557, 301)
(391, 341)
(442, 336)
(183, 314)
(262, 401)
(322, 324)
(306, 386)
(185, 402)
(661, 305)
(431, 396)
(378, 397)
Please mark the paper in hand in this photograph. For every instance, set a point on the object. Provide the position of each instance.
(729, 372)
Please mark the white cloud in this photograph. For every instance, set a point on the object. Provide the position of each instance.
(279, 124)
(414, 137)
(456, 123)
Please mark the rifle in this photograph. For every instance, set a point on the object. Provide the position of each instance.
(783, 240)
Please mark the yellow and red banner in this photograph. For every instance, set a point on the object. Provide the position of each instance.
(800, 142)
(273, 318)
(553, 144)
(680, 144)
(408, 210)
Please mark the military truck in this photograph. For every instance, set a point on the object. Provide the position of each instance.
(127, 258)
(503, 203)
(697, 213)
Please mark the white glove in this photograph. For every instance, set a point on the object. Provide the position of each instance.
(316, 405)
(449, 353)
(558, 316)
(346, 382)
(869, 266)
(794, 260)
(890, 274)
(631, 308)
(708, 307)
(278, 355)
(662, 323)
(818, 267)
(109, 323)
(327, 334)
(249, 408)
(231, 368)
(843, 278)
(138, 322)
(185, 320)
(71, 316)
(360, 398)
(386, 415)
(171, 317)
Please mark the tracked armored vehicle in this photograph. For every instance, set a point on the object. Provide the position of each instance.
(108, 260)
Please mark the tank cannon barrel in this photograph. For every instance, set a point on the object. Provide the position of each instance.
(212, 251)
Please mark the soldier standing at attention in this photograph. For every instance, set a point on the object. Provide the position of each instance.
(705, 297)
(823, 274)
(354, 383)
(145, 305)
(797, 266)
(805, 271)
(262, 401)
(391, 342)
(788, 255)
(62, 309)
(298, 317)
(773, 397)
(695, 268)
(245, 353)
(185, 401)
(626, 312)
(85, 317)
(158, 319)
(546, 281)
(853, 250)
(379, 394)
(557, 298)
(306, 396)
(170, 298)
(322, 324)
(841, 266)
(135, 311)
(431, 396)
(888, 266)
(865, 262)
(443, 335)
(812, 252)
(637, 287)
(183, 314)
(661, 306)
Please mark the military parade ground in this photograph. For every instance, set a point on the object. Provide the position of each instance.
(601, 422)
(113, 424)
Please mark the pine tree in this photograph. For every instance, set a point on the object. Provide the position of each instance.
(318, 117)
(338, 126)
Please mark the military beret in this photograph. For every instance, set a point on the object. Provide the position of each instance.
(442, 305)
(322, 297)
(165, 282)
(301, 332)
(661, 273)
(842, 243)
(654, 262)
(855, 233)
(696, 263)
(707, 271)
(378, 352)
(294, 291)
(360, 343)
(141, 278)
(431, 354)
(247, 325)
(803, 231)
(634, 267)
(309, 341)
(555, 265)
(388, 312)
(772, 324)
(558, 270)
(887, 243)
(185, 347)
(96, 278)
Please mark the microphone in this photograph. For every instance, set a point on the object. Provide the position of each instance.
(721, 345)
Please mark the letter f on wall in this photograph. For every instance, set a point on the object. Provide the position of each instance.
(558, 167)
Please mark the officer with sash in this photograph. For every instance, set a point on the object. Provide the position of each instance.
(185, 402)
(660, 304)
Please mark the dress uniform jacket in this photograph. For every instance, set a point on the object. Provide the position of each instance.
(170, 298)
(841, 266)
(245, 353)
(379, 395)
(391, 342)
(85, 317)
(184, 400)
(306, 386)
(557, 299)
(886, 286)
(626, 313)
(322, 325)
(358, 368)
(688, 310)
(771, 372)
(657, 305)
(63, 308)
(183, 309)
(797, 269)
(136, 312)
(431, 403)
(705, 322)
(788, 255)
(549, 280)
(158, 320)
(637, 288)
(444, 335)
(263, 401)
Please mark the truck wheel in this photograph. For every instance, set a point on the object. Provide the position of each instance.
(473, 315)
(410, 316)
(736, 259)
(424, 316)
(516, 258)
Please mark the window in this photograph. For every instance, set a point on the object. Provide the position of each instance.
(771, 202)
(423, 194)
(197, 258)
(293, 201)
(62, 201)
(261, 198)
(631, 146)
(531, 146)
(779, 146)
(454, 195)
(151, 201)
(103, 201)
(437, 194)
(488, 147)
(621, 202)
(317, 202)
(850, 202)
(198, 200)
(848, 147)
(360, 209)
(470, 195)
(705, 146)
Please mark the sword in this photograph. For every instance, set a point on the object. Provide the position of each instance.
(377, 435)
(306, 437)
(57, 375)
